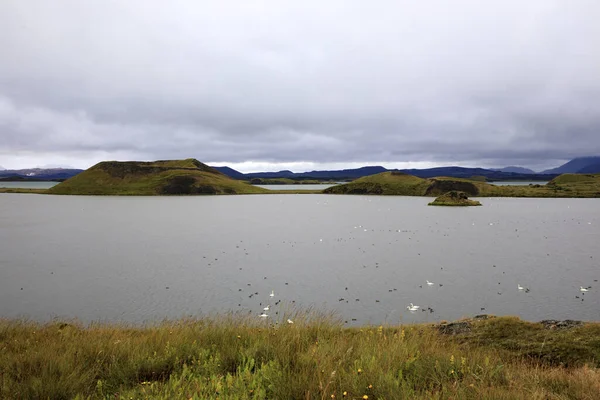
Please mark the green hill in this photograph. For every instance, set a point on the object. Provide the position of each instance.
(400, 184)
(171, 177)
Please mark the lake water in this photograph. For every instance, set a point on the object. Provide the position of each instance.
(518, 183)
(28, 185)
(296, 187)
(142, 259)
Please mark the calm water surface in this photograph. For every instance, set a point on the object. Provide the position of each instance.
(142, 259)
(519, 183)
(28, 185)
(296, 187)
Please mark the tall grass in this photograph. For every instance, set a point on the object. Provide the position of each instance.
(236, 357)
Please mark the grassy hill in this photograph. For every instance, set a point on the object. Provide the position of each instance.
(171, 177)
(400, 184)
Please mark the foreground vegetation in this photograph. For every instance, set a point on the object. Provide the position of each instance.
(173, 177)
(238, 357)
(400, 184)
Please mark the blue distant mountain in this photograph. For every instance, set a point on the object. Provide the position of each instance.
(40, 174)
(581, 165)
(517, 170)
(350, 174)
(590, 169)
(230, 172)
(325, 175)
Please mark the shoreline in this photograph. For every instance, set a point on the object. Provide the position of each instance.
(301, 191)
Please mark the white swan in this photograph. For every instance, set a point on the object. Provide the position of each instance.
(430, 283)
(264, 315)
(582, 289)
(289, 321)
(267, 308)
(272, 293)
(520, 287)
(412, 307)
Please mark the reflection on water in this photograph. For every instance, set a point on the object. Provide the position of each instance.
(144, 258)
(519, 183)
(296, 187)
(28, 185)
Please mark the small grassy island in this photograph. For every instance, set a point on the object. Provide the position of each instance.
(235, 357)
(174, 177)
(454, 199)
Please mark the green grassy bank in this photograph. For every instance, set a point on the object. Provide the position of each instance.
(236, 357)
(399, 184)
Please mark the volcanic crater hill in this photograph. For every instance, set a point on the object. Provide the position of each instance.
(168, 177)
(401, 184)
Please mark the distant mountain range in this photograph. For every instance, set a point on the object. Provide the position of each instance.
(38, 174)
(350, 174)
(582, 165)
(516, 170)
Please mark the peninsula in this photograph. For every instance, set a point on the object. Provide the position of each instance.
(401, 184)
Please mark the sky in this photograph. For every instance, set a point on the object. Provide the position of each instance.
(299, 85)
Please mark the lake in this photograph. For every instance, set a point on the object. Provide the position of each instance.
(321, 186)
(518, 183)
(28, 185)
(141, 259)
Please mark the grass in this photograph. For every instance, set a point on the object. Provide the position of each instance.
(385, 183)
(395, 183)
(237, 357)
(173, 177)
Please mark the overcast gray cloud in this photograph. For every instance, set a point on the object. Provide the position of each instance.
(299, 85)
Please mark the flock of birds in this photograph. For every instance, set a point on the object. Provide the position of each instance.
(414, 308)
(365, 243)
(411, 307)
(264, 314)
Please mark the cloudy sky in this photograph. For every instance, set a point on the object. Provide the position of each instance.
(301, 85)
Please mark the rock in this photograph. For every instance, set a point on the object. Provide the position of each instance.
(455, 328)
(555, 324)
